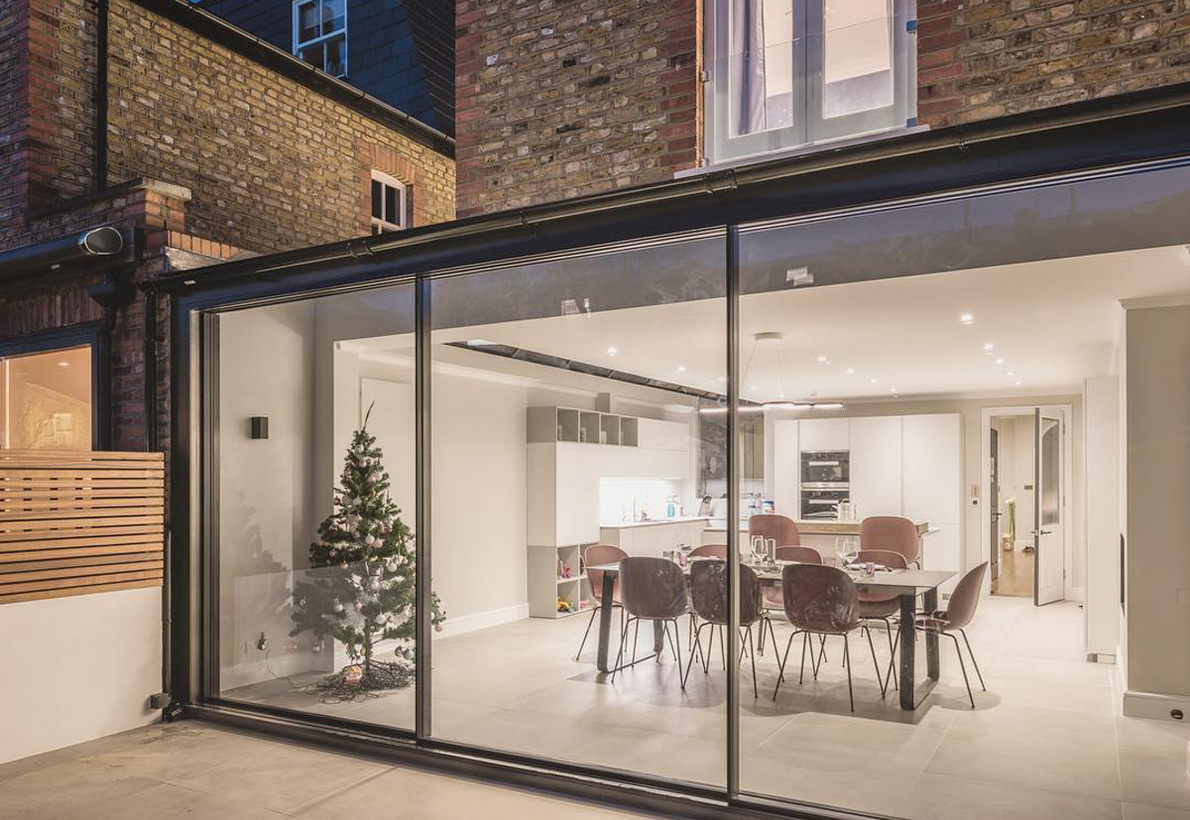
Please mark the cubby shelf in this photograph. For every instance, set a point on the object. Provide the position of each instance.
(548, 424)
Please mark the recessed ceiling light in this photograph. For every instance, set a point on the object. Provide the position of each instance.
(873, 381)
(827, 405)
(1000, 360)
(63, 364)
(681, 368)
(892, 390)
(611, 351)
(1018, 384)
(966, 318)
(479, 343)
(1010, 374)
(722, 380)
(989, 347)
(823, 359)
(850, 370)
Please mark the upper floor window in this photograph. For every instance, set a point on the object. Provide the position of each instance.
(785, 73)
(388, 203)
(320, 34)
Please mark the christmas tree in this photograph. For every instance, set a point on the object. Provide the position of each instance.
(362, 578)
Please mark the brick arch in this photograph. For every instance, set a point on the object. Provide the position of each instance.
(394, 163)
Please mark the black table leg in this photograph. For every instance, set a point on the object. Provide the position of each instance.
(605, 619)
(908, 688)
(929, 602)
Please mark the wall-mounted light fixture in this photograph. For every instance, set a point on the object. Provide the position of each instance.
(260, 427)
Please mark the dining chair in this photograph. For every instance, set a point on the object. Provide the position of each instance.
(595, 555)
(780, 528)
(710, 551)
(772, 593)
(959, 612)
(891, 532)
(652, 589)
(708, 595)
(822, 600)
(879, 606)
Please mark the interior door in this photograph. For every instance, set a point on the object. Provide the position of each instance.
(993, 503)
(1048, 499)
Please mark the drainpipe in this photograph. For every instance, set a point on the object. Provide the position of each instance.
(101, 51)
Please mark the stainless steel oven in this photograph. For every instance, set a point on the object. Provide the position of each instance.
(823, 503)
(826, 467)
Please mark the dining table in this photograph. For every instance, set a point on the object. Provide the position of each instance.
(906, 584)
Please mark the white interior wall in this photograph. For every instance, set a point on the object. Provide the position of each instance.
(84, 667)
(1103, 515)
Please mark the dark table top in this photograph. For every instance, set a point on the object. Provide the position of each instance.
(896, 581)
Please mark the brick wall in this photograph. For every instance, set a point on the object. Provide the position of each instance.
(559, 99)
(979, 59)
(272, 164)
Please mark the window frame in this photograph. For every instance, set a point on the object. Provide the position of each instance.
(809, 60)
(378, 223)
(299, 43)
(92, 335)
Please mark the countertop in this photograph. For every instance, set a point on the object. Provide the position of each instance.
(653, 522)
(821, 526)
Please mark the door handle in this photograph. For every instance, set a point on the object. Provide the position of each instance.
(1043, 532)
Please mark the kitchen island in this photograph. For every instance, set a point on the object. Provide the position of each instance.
(654, 536)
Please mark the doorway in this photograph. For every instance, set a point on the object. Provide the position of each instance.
(1026, 517)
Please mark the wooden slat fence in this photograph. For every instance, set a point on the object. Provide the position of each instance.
(74, 523)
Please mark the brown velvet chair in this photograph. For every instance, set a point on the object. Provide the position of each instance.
(593, 556)
(891, 532)
(822, 600)
(778, 527)
(772, 594)
(878, 606)
(708, 594)
(652, 589)
(959, 612)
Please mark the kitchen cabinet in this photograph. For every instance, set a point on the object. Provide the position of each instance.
(876, 466)
(653, 538)
(817, 435)
(933, 453)
(658, 434)
(786, 467)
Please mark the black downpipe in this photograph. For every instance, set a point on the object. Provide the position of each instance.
(101, 49)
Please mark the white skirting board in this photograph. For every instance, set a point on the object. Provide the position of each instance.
(1155, 706)
(482, 620)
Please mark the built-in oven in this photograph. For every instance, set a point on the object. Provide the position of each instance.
(826, 467)
(823, 503)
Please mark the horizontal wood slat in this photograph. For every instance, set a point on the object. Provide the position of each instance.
(75, 523)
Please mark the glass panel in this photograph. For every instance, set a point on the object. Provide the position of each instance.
(377, 199)
(391, 212)
(336, 48)
(307, 21)
(1051, 471)
(47, 400)
(880, 349)
(315, 486)
(313, 54)
(566, 404)
(333, 15)
(857, 46)
(761, 65)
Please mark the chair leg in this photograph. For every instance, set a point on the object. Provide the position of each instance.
(620, 654)
(760, 641)
(962, 666)
(892, 660)
(892, 652)
(974, 662)
(801, 675)
(672, 645)
(784, 658)
(847, 663)
(677, 642)
(875, 663)
(594, 612)
(752, 655)
(635, 640)
(773, 636)
(706, 656)
(822, 651)
(695, 647)
(723, 647)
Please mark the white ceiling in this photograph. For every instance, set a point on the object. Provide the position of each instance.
(1053, 322)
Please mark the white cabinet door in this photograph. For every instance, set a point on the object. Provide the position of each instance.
(876, 465)
(786, 467)
(824, 434)
(932, 456)
(942, 550)
(577, 493)
(657, 434)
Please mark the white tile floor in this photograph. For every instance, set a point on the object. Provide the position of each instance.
(1044, 741)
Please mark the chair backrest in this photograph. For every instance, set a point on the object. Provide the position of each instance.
(771, 525)
(602, 554)
(652, 588)
(708, 592)
(803, 555)
(710, 551)
(890, 532)
(819, 598)
(882, 558)
(960, 609)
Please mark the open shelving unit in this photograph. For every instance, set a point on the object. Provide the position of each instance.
(548, 584)
(547, 424)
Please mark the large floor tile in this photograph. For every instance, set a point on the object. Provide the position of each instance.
(944, 797)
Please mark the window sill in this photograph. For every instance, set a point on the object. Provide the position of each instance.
(801, 150)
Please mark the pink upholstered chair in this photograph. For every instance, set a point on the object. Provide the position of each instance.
(821, 600)
(593, 556)
(890, 532)
(877, 606)
(710, 551)
(772, 594)
(708, 595)
(959, 612)
(771, 525)
(653, 589)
